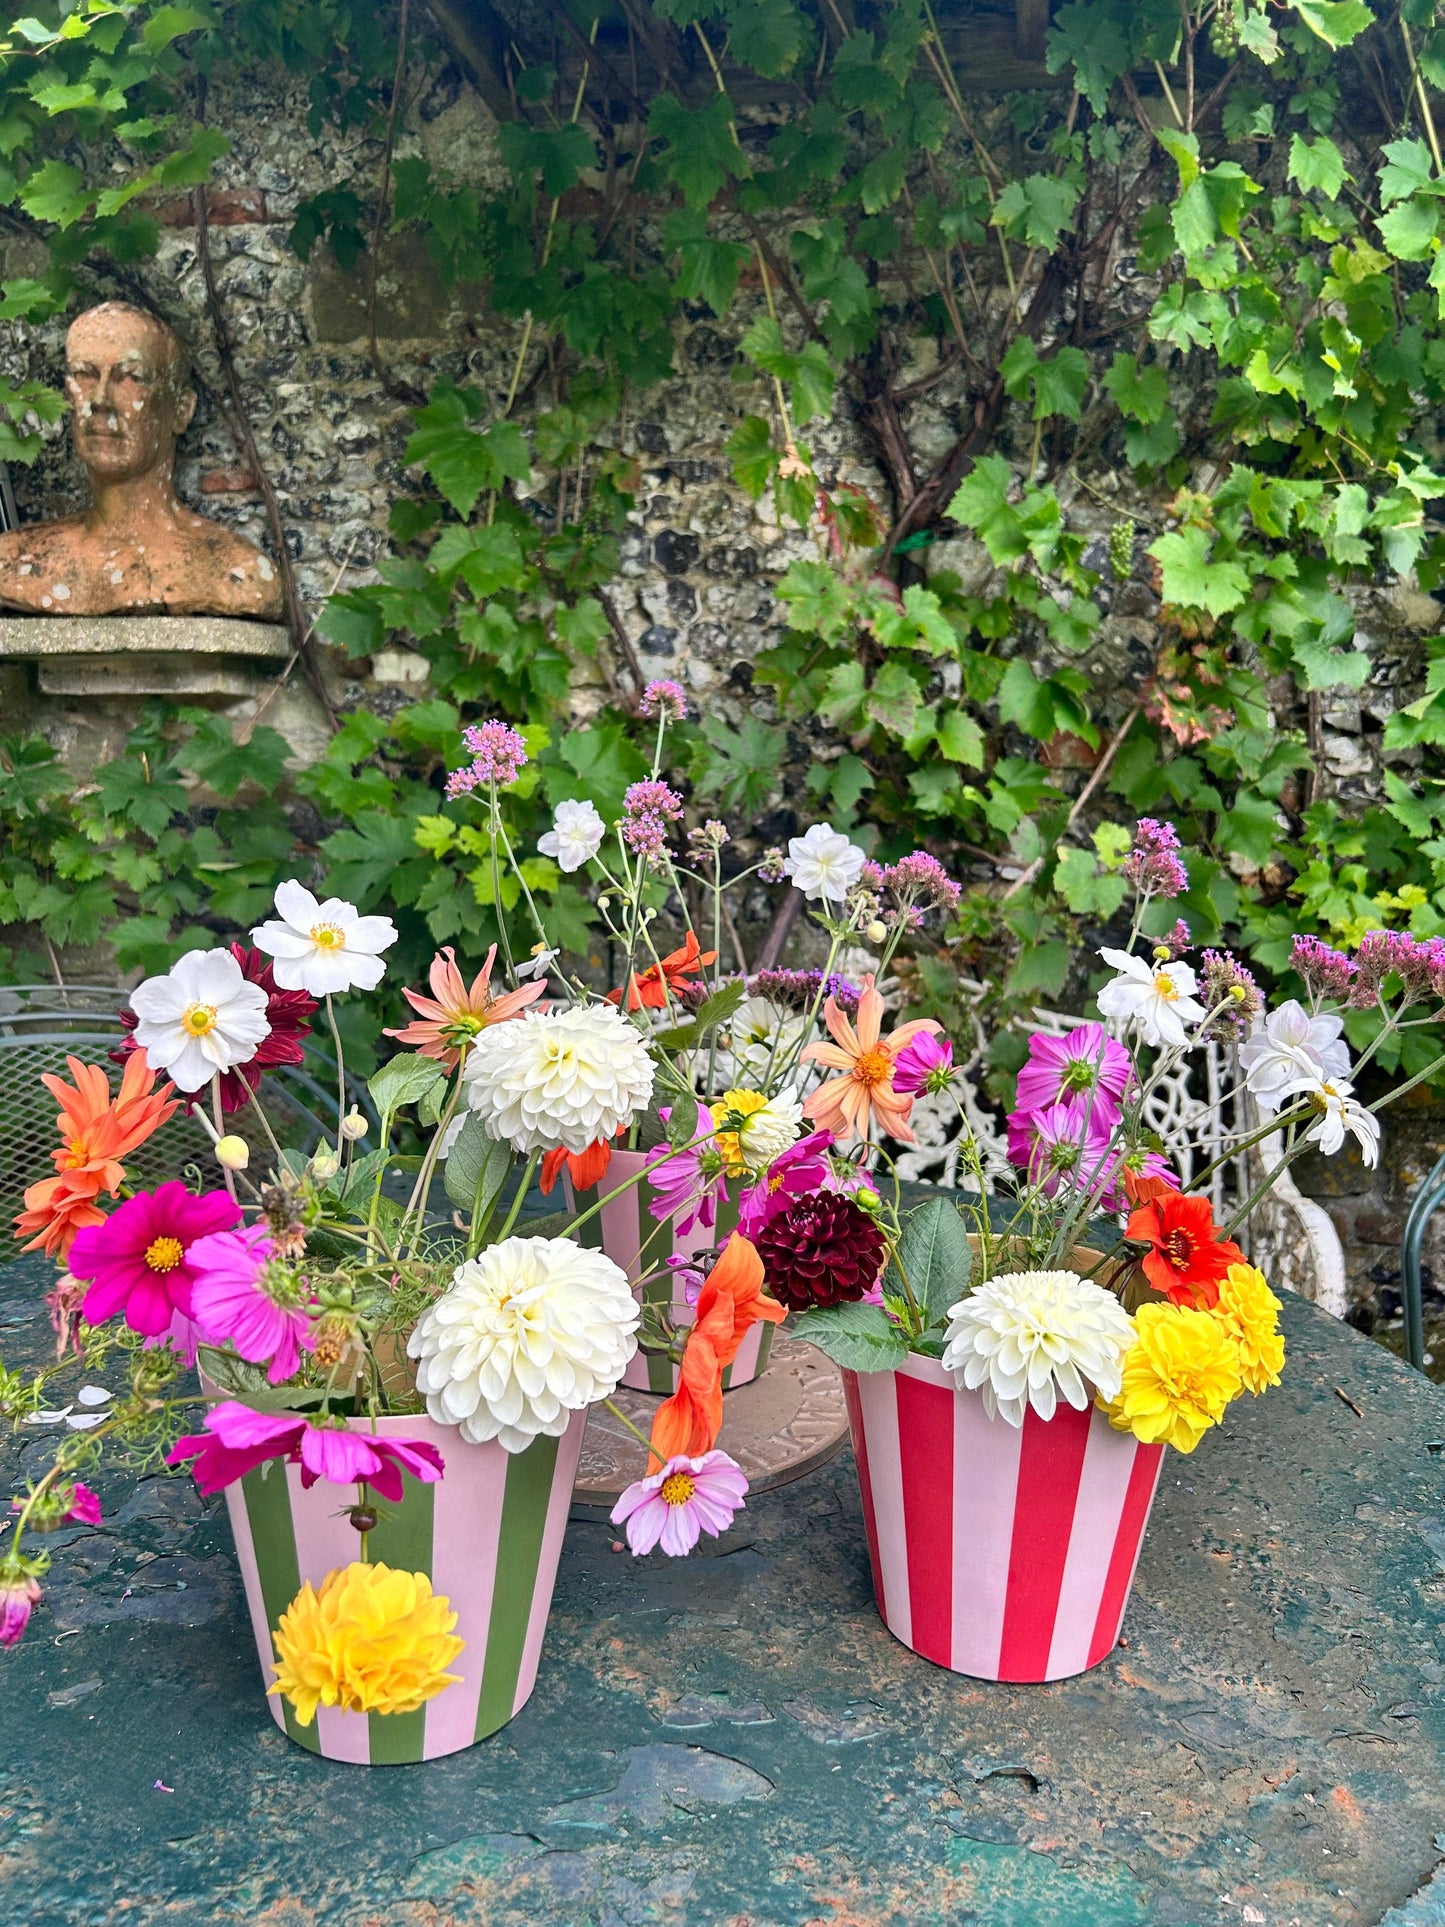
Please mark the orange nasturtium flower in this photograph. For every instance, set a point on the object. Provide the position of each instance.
(731, 1302)
(454, 1013)
(848, 1105)
(98, 1133)
(1187, 1257)
(652, 988)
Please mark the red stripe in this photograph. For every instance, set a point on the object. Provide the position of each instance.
(865, 1484)
(1137, 1500)
(1051, 1461)
(925, 1442)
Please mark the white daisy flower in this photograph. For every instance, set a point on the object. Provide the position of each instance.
(323, 948)
(575, 836)
(201, 1018)
(1158, 997)
(823, 863)
(1029, 1337)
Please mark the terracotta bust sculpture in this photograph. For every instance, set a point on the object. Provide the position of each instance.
(137, 550)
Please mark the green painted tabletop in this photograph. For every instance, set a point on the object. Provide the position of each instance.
(735, 1740)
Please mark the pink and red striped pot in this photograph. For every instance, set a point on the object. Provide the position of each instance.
(487, 1534)
(631, 1237)
(1003, 1552)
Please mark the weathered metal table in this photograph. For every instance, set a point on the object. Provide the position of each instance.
(736, 1741)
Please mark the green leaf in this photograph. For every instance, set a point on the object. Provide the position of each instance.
(476, 1168)
(404, 1079)
(1141, 394)
(767, 35)
(487, 558)
(1191, 580)
(55, 192)
(1037, 210)
(559, 154)
(1249, 828)
(1088, 890)
(961, 739)
(1408, 230)
(860, 1338)
(461, 460)
(1024, 700)
(1317, 163)
(936, 1258)
(1337, 22)
(750, 450)
(1058, 383)
(214, 756)
(169, 23)
(700, 151)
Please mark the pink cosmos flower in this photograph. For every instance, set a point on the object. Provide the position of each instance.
(138, 1261)
(924, 1065)
(1087, 1060)
(689, 1183)
(19, 1596)
(801, 1168)
(84, 1506)
(238, 1439)
(686, 1498)
(242, 1300)
(1059, 1145)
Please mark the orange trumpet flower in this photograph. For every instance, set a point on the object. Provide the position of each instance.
(849, 1105)
(455, 1012)
(667, 977)
(730, 1303)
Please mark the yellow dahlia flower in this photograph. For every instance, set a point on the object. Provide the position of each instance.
(1249, 1312)
(1180, 1373)
(371, 1641)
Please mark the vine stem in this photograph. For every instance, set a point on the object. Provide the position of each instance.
(383, 194)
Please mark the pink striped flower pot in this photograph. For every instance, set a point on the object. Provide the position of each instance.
(627, 1231)
(1006, 1553)
(487, 1534)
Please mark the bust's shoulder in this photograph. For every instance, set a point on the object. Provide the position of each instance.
(243, 573)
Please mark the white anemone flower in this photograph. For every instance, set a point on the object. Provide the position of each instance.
(1292, 1051)
(528, 1332)
(1158, 997)
(559, 1078)
(1341, 1115)
(762, 1034)
(323, 948)
(823, 863)
(1031, 1337)
(575, 836)
(201, 1018)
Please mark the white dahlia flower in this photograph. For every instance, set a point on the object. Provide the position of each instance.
(529, 1331)
(566, 1077)
(1026, 1338)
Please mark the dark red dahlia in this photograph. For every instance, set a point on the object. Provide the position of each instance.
(823, 1250)
(288, 1012)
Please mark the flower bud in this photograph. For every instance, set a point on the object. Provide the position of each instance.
(232, 1152)
(354, 1127)
(866, 1199)
(876, 931)
(604, 904)
(1163, 954)
(325, 1165)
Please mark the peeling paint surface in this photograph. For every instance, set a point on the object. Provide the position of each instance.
(737, 1741)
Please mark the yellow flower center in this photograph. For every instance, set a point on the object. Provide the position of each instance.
(1165, 987)
(198, 1019)
(873, 1066)
(328, 936)
(677, 1488)
(164, 1254)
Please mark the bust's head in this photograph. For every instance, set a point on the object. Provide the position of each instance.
(125, 374)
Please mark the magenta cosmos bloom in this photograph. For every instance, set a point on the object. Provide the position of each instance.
(689, 1183)
(241, 1299)
(139, 1261)
(686, 1498)
(1086, 1062)
(238, 1439)
(19, 1596)
(1059, 1145)
(924, 1065)
(803, 1167)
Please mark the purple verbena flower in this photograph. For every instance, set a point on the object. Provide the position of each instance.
(1153, 865)
(1326, 972)
(1230, 995)
(497, 752)
(664, 698)
(653, 799)
(646, 835)
(922, 879)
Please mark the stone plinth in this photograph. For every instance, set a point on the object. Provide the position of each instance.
(144, 655)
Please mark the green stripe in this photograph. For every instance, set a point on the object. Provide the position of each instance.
(273, 1539)
(402, 1539)
(519, 1548)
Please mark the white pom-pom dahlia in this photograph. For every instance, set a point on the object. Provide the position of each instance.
(1028, 1337)
(531, 1330)
(567, 1077)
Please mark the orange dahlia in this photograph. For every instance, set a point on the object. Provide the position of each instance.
(454, 1013)
(849, 1105)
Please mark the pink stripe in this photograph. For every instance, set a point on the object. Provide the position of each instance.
(1051, 1458)
(865, 1483)
(255, 1602)
(466, 1525)
(569, 1451)
(925, 1432)
(985, 1484)
(878, 1408)
(1143, 1482)
(745, 1365)
(1103, 1491)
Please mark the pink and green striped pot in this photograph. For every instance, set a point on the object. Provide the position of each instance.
(631, 1237)
(487, 1534)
